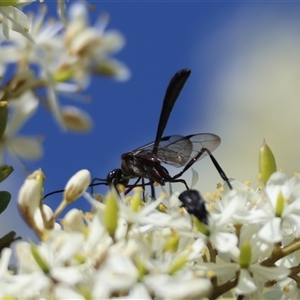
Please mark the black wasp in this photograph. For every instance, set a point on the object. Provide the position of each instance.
(176, 150)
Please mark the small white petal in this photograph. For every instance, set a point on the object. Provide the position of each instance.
(220, 269)
(167, 287)
(277, 178)
(26, 147)
(23, 110)
(119, 273)
(224, 241)
(139, 291)
(71, 245)
(246, 284)
(15, 19)
(78, 14)
(4, 261)
(68, 275)
(73, 220)
(270, 273)
(66, 292)
(61, 7)
(295, 220)
(271, 231)
(113, 41)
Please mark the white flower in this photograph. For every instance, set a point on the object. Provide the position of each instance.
(21, 146)
(14, 19)
(219, 230)
(92, 46)
(283, 215)
(27, 285)
(54, 255)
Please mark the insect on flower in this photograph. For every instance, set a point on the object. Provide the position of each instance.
(175, 150)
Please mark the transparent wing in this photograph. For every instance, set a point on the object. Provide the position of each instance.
(177, 150)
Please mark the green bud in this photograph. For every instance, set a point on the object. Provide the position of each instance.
(106, 69)
(85, 292)
(267, 163)
(3, 117)
(111, 213)
(42, 264)
(201, 226)
(79, 258)
(5, 171)
(141, 269)
(63, 75)
(245, 256)
(136, 202)
(279, 205)
(162, 208)
(177, 264)
(12, 2)
(172, 243)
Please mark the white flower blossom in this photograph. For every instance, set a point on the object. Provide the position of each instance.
(14, 19)
(21, 146)
(282, 218)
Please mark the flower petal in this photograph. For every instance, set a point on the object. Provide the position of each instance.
(270, 273)
(26, 147)
(271, 232)
(246, 284)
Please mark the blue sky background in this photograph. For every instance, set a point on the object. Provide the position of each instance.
(245, 61)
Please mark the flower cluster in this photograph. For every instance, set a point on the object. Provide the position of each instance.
(131, 247)
(240, 242)
(52, 58)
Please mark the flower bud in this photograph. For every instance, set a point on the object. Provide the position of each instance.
(111, 213)
(172, 243)
(29, 198)
(142, 270)
(245, 256)
(12, 3)
(201, 226)
(177, 264)
(39, 260)
(64, 73)
(136, 203)
(76, 120)
(279, 205)
(77, 185)
(39, 176)
(267, 163)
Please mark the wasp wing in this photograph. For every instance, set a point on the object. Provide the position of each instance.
(178, 150)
